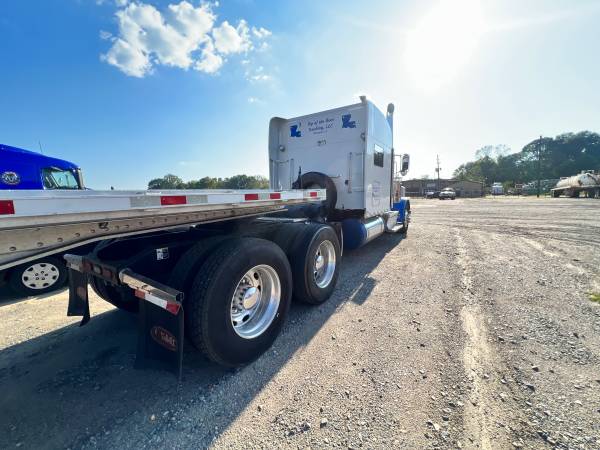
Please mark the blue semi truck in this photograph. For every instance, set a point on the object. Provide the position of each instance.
(22, 169)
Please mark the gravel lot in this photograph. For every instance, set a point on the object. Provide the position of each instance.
(475, 331)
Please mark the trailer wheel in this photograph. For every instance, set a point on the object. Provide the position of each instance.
(38, 277)
(239, 300)
(315, 259)
(119, 297)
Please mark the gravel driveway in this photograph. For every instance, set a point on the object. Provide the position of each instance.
(475, 331)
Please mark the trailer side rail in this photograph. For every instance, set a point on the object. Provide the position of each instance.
(38, 223)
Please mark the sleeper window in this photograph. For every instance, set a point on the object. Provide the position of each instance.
(378, 156)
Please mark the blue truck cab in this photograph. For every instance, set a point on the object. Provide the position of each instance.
(22, 169)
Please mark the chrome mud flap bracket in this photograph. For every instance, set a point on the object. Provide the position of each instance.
(160, 323)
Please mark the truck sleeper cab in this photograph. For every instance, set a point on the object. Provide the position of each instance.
(349, 152)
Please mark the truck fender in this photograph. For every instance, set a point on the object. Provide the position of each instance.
(401, 206)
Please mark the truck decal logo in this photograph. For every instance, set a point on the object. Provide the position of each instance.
(347, 123)
(11, 178)
(294, 131)
(164, 338)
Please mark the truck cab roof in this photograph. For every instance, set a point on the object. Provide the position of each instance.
(24, 169)
(9, 154)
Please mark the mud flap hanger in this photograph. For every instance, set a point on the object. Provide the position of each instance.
(160, 317)
(160, 320)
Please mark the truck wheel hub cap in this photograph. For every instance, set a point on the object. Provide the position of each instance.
(324, 265)
(250, 298)
(255, 301)
(40, 276)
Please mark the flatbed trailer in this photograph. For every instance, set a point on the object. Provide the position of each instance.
(34, 224)
(221, 267)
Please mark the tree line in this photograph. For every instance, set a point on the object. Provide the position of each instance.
(564, 155)
(171, 181)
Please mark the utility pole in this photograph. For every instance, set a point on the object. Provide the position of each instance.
(539, 165)
(437, 169)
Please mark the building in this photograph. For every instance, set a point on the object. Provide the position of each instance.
(463, 188)
(468, 188)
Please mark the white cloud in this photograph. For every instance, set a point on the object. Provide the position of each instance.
(132, 61)
(258, 74)
(211, 61)
(105, 35)
(232, 40)
(261, 33)
(182, 35)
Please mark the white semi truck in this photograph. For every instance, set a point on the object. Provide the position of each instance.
(220, 267)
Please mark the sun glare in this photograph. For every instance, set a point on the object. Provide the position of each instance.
(443, 41)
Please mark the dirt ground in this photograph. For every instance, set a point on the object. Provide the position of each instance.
(475, 331)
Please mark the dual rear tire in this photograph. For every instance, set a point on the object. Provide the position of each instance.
(314, 253)
(238, 300)
(238, 291)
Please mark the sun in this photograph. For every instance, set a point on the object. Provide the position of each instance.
(443, 41)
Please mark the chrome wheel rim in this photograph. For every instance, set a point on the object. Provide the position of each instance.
(255, 301)
(324, 264)
(40, 276)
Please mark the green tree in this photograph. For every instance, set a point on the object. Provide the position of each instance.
(564, 155)
(235, 182)
(169, 181)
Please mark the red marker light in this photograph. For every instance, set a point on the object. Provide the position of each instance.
(173, 308)
(248, 197)
(275, 196)
(7, 207)
(166, 200)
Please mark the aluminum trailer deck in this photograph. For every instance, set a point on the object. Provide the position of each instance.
(39, 223)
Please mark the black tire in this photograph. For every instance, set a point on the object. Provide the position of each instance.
(406, 221)
(122, 298)
(55, 276)
(286, 235)
(302, 256)
(208, 304)
(182, 275)
(319, 180)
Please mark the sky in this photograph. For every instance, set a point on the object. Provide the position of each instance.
(133, 90)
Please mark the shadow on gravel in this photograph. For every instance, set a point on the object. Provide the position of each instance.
(76, 387)
(8, 297)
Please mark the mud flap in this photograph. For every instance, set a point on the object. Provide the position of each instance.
(160, 338)
(79, 304)
(337, 227)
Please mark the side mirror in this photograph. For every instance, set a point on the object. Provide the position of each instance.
(405, 164)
